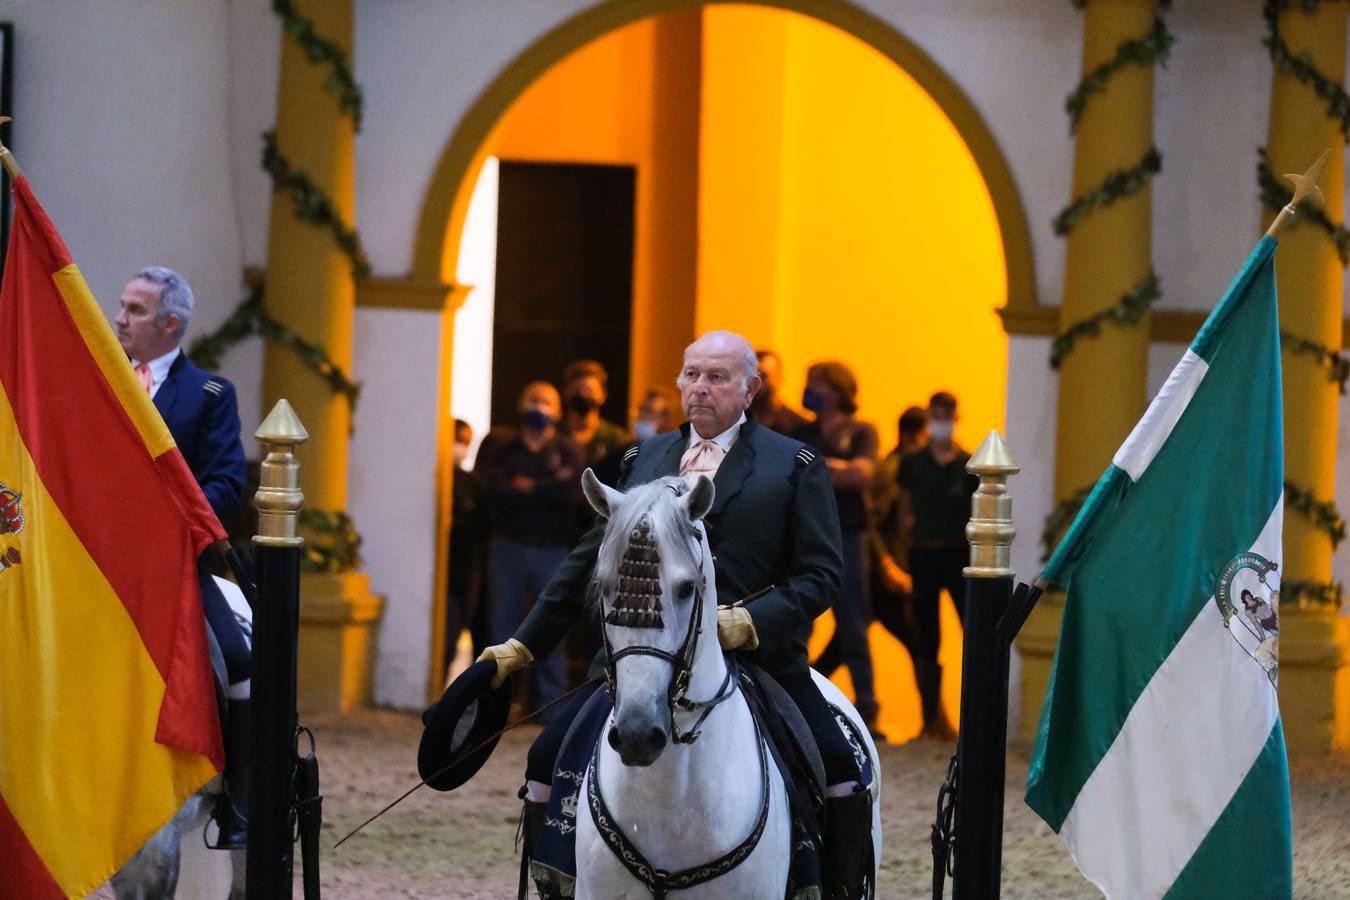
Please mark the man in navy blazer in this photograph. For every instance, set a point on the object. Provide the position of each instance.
(203, 417)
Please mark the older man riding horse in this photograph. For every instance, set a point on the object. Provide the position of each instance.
(773, 531)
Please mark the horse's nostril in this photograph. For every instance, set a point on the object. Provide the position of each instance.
(656, 738)
(613, 737)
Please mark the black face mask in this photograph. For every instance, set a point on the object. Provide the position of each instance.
(580, 404)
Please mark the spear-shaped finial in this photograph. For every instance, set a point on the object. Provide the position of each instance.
(1305, 185)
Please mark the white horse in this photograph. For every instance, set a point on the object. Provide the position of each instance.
(707, 816)
(175, 862)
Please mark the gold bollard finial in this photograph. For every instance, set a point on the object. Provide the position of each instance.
(279, 498)
(990, 529)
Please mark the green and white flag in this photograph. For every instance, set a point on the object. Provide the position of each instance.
(1160, 759)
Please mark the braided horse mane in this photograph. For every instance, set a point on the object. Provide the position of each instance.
(652, 516)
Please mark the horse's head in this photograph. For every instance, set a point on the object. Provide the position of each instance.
(654, 584)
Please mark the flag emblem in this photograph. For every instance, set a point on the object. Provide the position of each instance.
(11, 510)
(1249, 603)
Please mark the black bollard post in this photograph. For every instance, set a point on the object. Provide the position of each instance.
(276, 615)
(982, 745)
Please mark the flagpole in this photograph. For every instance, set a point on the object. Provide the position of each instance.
(6, 158)
(981, 745)
(1305, 186)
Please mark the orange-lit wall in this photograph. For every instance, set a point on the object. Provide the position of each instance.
(841, 216)
(631, 98)
(796, 186)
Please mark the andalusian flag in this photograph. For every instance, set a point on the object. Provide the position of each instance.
(107, 707)
(1160, 758)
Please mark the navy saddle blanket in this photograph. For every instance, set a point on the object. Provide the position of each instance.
(553, 865)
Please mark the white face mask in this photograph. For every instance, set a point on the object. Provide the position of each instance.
(461, 453)
(940, 431)
(644, 430)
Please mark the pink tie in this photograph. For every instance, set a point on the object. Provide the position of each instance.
(143, 373)
(701, 459)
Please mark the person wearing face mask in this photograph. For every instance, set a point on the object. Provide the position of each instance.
(469, 533)
(654, 415)
(530, 476)
(935, 491)
(769, 408)
(585, 389)
(850, 450)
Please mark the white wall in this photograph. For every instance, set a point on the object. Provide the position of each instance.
(392, 489)
(129, 121)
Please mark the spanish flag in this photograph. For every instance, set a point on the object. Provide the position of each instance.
(107, 705)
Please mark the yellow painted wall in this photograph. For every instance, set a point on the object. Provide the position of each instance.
(842, 216)
(600, 105)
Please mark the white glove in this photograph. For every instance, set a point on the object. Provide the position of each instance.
(736, 629)
(511, 656)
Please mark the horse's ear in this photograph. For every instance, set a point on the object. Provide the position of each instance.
(601, 497)
(699, 499)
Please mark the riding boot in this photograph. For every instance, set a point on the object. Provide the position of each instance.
(532, 827)
(849, 867)
(231, 808)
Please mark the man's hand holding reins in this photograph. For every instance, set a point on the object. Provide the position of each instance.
(510, 657)
(735, 628)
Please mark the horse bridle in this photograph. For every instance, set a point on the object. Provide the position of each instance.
(681, 662)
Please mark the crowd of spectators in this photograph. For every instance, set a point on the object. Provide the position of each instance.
(902, 516)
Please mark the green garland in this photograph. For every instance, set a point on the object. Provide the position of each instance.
(1276, 196)
(1312, 594)
(321, 50)
(250, 318)
(1338, 366)
(312, 204)
(1117, 185)
(334, 544)
(1141, 51)
(1058, 519)
(1326, 517)
(1301, 65)
(1128, 311)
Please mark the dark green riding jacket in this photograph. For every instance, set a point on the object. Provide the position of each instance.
(773, 524)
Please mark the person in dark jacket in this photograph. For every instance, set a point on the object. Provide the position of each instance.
(530, 476)
(202, 414)
(774, 534)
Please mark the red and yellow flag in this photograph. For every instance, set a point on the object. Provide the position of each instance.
(107, 706)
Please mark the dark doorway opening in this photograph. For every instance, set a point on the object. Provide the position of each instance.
(564, 278)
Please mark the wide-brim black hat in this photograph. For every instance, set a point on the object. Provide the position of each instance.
(468, 712)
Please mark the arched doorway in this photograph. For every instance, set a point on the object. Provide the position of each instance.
(804, 316)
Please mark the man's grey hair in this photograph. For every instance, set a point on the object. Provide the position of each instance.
(175, 296)
(749, 358)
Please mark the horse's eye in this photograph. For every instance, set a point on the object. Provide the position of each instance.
(685, 589)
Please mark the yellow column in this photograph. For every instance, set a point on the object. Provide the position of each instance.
(1103, 381)
(1315, 645)
(309, 288)
(1309, 274)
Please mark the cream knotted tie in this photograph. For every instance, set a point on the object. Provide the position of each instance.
(143, 373)
(701, 459)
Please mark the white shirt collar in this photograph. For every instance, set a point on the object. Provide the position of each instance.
(723, 440)
(159, 367)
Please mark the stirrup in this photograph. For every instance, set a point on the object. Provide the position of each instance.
(232, 827)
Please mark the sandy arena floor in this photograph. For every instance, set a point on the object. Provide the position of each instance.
(461, 845)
